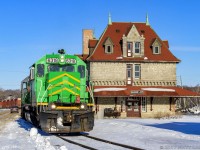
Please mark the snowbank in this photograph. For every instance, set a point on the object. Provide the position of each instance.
(151, 134)
(195, 110)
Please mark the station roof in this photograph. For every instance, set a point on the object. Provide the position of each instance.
(142, 91)
(115, 32)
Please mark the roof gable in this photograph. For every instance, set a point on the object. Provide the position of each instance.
(133, 33)
(108, 41)
(156, 42)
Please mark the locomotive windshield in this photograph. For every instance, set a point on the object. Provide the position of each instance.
(58, 68)
(68, 68)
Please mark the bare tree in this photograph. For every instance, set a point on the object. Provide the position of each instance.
(12, 93)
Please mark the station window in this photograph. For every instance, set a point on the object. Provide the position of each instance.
(40, 70)
(137, 47)
(81, 70)
(129, 49)
(144, 104)
(156, 50)
(137, 71)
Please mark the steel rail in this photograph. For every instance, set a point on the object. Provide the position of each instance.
(84, 146)
(110, 142)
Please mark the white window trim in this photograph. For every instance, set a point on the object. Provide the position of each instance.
(106, 49)
(139, 48)
(154, 50)
(129, 51)
(137, 71)
(129, 79)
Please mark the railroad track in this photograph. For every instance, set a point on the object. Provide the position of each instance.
(94, 143)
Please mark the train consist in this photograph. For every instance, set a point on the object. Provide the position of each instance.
(56, 96)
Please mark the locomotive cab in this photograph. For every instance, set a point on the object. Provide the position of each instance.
(58, 98)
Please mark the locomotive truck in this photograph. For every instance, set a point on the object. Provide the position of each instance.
(57, 96)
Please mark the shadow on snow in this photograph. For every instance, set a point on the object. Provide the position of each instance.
(184, 127)
(27, 126)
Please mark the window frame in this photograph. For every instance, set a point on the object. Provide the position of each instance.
(32, 73)
(154, 49)
(144, 104)
(72, 67)
(137, 48)
(53, 65)
(129, 49)
(108, 44)
(129, 69)
(137, 71)
(43, 71)
(81, 75)
(107, 47)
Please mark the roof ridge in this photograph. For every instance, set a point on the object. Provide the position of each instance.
(130, 22)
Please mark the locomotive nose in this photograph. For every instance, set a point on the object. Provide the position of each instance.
(63, 86)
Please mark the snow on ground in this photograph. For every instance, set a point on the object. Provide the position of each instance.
(181, 133)
(3, 110)
(195, 110)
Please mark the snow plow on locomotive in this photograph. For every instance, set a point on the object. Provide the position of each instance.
(55, 96)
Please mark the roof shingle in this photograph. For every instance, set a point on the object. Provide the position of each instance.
(116, 31)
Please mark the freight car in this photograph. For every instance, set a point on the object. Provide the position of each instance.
(57, 96)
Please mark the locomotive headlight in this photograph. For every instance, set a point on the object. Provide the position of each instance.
(53, 106)
(62, 60)
(82, 106)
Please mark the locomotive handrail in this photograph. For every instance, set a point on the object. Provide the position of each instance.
(90, 91)
(40, 91)
(40, 88)
(44, 93)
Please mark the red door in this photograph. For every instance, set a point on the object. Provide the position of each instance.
(133, 109)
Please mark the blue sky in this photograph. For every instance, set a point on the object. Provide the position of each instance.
(31, 28)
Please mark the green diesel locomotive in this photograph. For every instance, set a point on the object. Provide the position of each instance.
(57, 96)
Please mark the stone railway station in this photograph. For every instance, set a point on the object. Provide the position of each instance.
(132, 70)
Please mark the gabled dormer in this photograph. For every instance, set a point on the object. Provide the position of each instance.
(156, 47)
(108, 46)
(133, 43)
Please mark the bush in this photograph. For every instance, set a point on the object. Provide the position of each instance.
(167, 115)
(158, 115)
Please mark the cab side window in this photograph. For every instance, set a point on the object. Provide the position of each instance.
(24, 85)
(40, 70)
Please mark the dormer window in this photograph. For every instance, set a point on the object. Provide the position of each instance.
(137, 48)
(108, 45)
(129, 49)
(108, 49)
(156, 47)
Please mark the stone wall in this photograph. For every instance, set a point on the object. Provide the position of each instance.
(114, 73)
(160, 106)
(106, 103)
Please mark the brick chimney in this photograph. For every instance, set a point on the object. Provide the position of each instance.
(87, 34)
